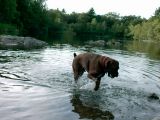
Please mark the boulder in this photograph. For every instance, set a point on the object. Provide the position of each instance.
(153, 96)
(16, 42)
(114, 43)
(97, 43)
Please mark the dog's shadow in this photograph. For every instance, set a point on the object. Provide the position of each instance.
(88, 112)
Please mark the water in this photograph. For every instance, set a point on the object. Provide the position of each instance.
(39, 85)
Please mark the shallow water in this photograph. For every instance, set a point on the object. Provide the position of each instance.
(39, 85)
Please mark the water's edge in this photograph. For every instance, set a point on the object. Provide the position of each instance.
(39, 84)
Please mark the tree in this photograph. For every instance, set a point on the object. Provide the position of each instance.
(8, 11)
(33, 19)
(157, 12)
(56, 25)
(91, 14)
(149, 30)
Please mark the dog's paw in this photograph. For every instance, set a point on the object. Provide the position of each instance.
(90, 86)
(96, 88)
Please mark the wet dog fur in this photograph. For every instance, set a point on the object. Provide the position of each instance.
(96, 65)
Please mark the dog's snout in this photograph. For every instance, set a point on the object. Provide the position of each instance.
(116, 75)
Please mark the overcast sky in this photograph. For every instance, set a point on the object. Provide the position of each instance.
(144, 8)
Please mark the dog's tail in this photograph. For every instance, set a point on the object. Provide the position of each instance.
(74, 55)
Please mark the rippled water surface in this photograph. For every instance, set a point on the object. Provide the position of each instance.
(39, 85)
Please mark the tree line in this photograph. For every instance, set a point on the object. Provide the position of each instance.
(33, 18)
(148, 30)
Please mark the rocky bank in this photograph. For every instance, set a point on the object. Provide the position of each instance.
(17, 42)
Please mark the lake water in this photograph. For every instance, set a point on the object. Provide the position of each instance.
(39, 85)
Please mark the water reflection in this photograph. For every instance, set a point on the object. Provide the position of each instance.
(43, 82)
(13, 76)
(151, 48)
(88, 112)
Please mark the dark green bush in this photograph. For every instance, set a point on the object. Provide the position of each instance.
(8, 29)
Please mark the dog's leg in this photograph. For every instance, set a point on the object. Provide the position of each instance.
(97, 80)
(97, 84)
(91, 76)
(75, 72)
(78, 72)
(76, 76)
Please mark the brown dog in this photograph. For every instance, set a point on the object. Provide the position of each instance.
(96, 66)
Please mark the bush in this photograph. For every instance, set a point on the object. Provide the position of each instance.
(149, 30)
(8, 29)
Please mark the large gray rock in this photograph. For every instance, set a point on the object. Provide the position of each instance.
(16, 42)
(97, 43)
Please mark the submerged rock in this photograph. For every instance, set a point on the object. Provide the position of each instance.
(16, 42)
(156, 118)
(154, 96)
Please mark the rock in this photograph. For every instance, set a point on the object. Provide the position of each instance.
(156, 118)
(102, 43)
(16, 42)
(113, 43)
(97, 43)
(154, 96)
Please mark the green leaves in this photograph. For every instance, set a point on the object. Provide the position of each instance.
(149, 30)
(8, 29)
(32, 18)
(8, 11)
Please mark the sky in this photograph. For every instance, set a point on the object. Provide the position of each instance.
(143, 8)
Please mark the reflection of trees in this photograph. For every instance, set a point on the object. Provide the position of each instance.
(89, 112)
(150, 47)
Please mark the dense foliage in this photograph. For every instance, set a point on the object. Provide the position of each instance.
(148, 30)
(32, 18)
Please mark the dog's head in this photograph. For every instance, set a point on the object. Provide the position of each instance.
(112, 67)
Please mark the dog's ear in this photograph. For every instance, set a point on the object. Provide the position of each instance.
(112, 64)
(108, 64)
(74, 55)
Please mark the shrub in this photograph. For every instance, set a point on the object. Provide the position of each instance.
(8, 29)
